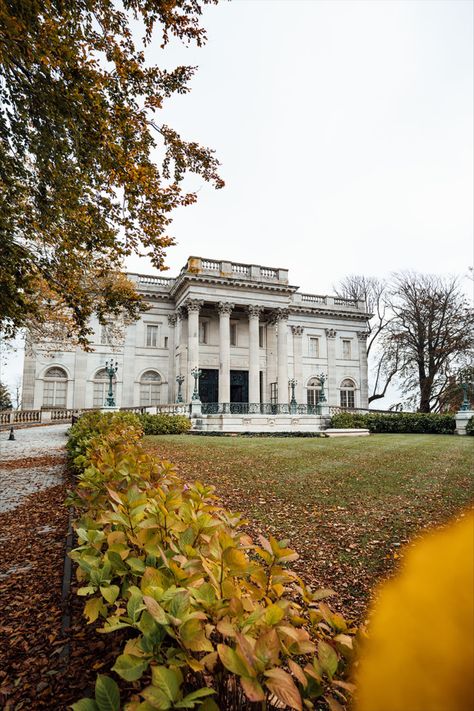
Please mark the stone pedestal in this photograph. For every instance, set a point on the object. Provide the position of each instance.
(110, 409)
(462, 418)
(196, 408)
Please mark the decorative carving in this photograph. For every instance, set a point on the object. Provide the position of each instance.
(279, 315)
(225, 307)
(362, 335)
(331, 333)
(297, 330)
(254, 310)
(193, 305)
(172, 318)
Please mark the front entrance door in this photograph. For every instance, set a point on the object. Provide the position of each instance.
(209, 386)
(239, 386)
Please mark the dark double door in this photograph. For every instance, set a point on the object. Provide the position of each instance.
(209, 385)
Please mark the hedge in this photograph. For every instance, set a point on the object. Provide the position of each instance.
(211, 619)
(164, 424)
(400, 422)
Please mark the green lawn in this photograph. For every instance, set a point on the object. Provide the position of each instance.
(347, 505)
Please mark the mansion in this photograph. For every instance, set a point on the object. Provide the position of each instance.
(253, 336)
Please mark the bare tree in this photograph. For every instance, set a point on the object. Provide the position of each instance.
(432, 330)
(17, 390)
(383, 356)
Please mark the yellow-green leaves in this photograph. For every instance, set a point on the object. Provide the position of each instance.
(107, 697)
(93, 608)
(130, 667)
(201, 599)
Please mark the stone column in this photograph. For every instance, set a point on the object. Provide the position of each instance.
(282, 351)
(254, 353)
(363, 377)
(332, 392)
(297, 332)
(193, 306)
(172, 319)
(224, 308)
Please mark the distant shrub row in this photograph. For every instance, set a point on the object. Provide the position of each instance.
(401, 423)
(164, 424)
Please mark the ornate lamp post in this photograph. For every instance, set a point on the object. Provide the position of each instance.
(180, 381)
(111, 370)
(322, 380)
(293, 404)
(196, 373)
(465, 405)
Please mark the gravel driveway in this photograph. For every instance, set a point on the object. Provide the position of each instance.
(20, 474)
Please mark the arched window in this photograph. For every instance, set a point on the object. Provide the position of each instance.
(101, 388)
(347, 391)
(55, 387)
(313, 392)
(150, 384)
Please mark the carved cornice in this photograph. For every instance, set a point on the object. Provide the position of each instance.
(193, 305)
(225, 307)
(331, 333)
(254, 310)
(297, 330)
(187, 278)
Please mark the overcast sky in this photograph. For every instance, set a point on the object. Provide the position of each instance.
(345, 133)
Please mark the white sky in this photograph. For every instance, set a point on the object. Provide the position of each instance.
(345, 133)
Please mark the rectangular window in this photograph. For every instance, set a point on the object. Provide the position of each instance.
(48, 393)
(273, 393)
(106, 335)
(149, 394)
(152, 336)
(166, 342)
(203, 332)
(261, 337)
(233, 334)
(346, 349)
(313, 347)
(347, 398)
(100, 393)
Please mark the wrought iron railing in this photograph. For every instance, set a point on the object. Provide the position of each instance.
(257, 408)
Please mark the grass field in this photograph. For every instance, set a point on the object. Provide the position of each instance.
(347, 505)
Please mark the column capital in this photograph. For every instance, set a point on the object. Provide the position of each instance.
(193, 305)
(172, 318)
(362, 335)
(297, 330)
(254, 310)
(331, 333)
(225, 307)
(280, 315)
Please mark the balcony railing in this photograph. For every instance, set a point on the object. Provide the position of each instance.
(257, 408)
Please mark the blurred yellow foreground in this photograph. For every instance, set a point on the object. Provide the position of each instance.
(420, 651)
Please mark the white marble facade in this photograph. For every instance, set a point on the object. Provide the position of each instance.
(243, 325)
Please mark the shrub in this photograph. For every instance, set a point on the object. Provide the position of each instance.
(470, 426)
(94, 423)
(400, 422)
(164, 424)
(348, 420)
(215, 621)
